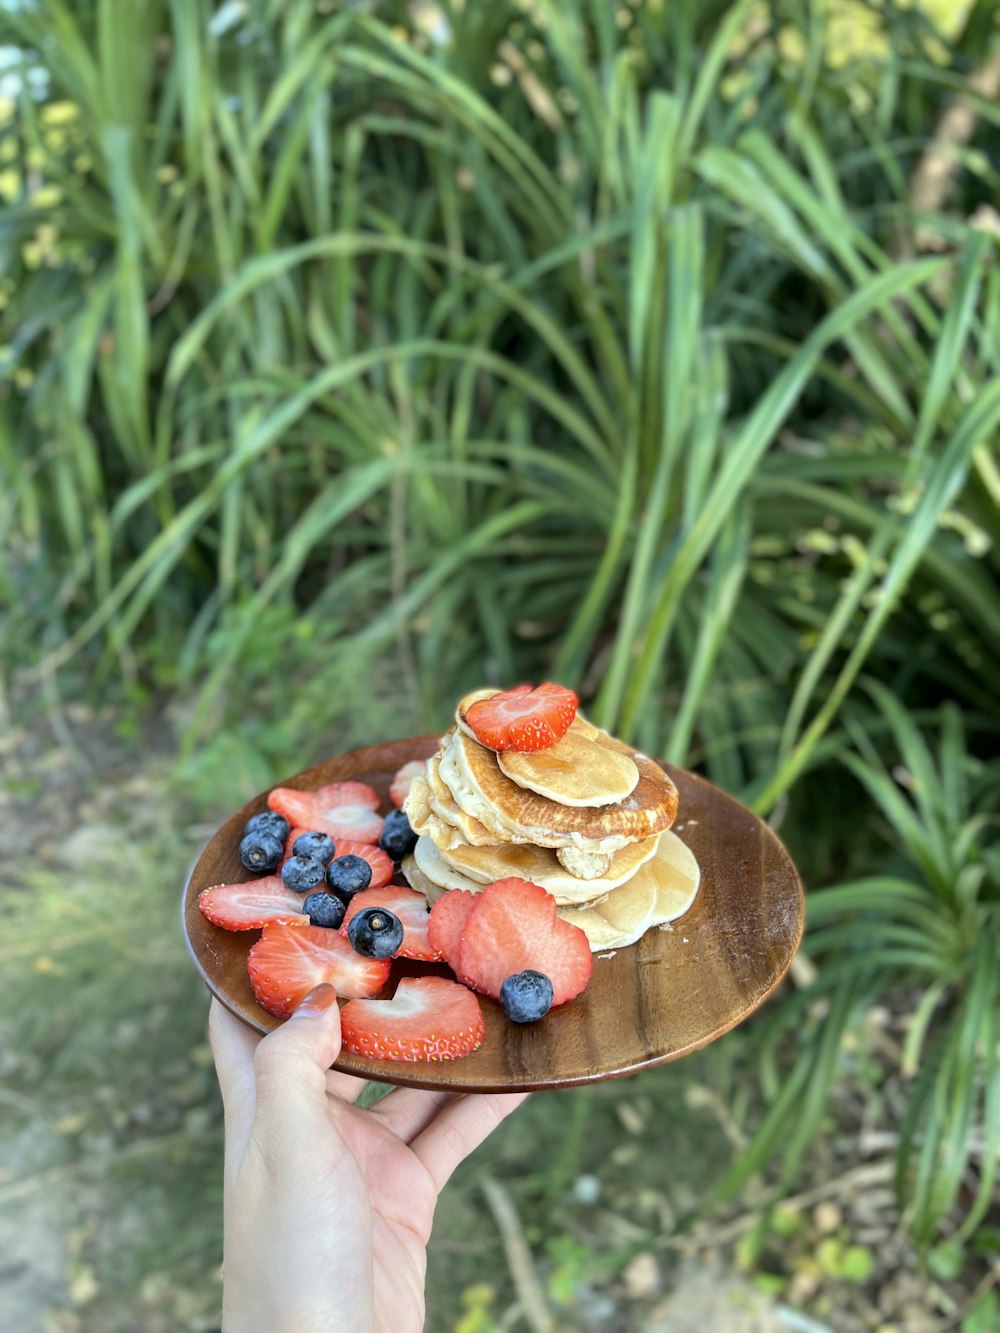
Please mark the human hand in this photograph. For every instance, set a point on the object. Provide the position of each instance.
(328, 1207)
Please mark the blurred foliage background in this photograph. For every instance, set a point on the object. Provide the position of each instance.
(355, 354)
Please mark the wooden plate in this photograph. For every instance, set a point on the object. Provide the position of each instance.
(677, 989)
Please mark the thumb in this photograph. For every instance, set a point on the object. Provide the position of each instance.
(290, 1064)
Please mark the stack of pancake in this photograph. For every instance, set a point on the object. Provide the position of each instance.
(588, 819)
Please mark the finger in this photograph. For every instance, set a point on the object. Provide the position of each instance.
(408, 1111)
(460, 1128)
(233, 1045)
(346, 1087)
(291, 1062)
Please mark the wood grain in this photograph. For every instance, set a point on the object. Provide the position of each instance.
(678, 988)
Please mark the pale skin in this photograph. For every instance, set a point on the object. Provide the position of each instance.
(328, 1207)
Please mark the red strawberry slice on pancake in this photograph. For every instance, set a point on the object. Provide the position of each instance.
(523, 718)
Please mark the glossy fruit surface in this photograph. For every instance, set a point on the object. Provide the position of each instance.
(375, 932)
(523, 718)
(428, 1018)
(526, 996)
(252, 904)
(513, 927)
(288, 961)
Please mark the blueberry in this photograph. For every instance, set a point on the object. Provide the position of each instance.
(302, 873)
(324, 909)
(270, 821)
(398, 839)
(261, 851)
(375, 932)
(348, 875)
(319, 845)
(526, 996)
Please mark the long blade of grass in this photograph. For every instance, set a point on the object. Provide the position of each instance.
(729, 567)
(921, 770)
(709, 72)
(741, 458)
(416, 75)
(949, 349)
(672, 355)
(943, 482)
(940, 1170)
(265, 269)
(952, 344)
(990, 1156)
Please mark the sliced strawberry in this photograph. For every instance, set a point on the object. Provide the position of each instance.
(252, 904)
(342, 809)
(409, 906)
(380, 862)
(293, 833)
(288, 961)
(401, 782)
(513, 926)
(447, 921)
(523, 718)
(429, 1018)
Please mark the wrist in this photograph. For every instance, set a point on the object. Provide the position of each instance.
(299, 1317)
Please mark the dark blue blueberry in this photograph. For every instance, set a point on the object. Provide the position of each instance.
(269, 821)
(375, 932)
(348, 875)
(398, 839)
(261, 851)
(324, 909)
(302, 873)
(319, 845)
(526, 996)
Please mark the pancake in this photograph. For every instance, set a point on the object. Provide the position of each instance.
(482, 790)
(577, 771)
(586, 729)
(678, 878)
(615, 919)
(434, 866)
(662, 890)
(417, 808)
(462, 867)
(417, 880)
(599, 932)
(444, 805)
(467, 801)
(542, 865)
(584, 865)
(618, 919)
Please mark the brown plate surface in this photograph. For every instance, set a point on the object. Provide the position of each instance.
(678, 988)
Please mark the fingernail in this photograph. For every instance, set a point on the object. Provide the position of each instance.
(317, 1002)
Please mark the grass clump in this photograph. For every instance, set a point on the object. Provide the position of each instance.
(526, 345)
